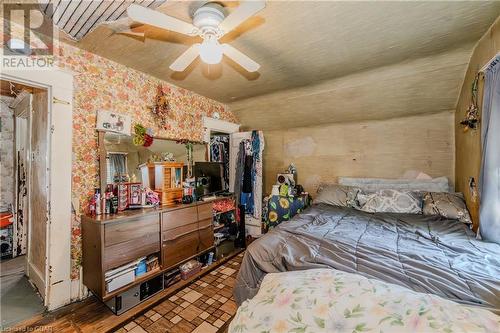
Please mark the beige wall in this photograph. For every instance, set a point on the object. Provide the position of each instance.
(468, 144)
(380, 148)
(373, 123)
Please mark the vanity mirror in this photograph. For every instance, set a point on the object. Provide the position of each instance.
(122, 161)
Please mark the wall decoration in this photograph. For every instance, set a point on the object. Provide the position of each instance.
(162, 106)
(113, 122)
(142, 136)
(471, 119)
(189, 155)
(101, 84)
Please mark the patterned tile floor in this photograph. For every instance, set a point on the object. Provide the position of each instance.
(205, 306)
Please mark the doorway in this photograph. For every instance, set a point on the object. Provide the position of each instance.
(23, 200)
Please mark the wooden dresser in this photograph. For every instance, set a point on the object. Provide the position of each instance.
(175, 233)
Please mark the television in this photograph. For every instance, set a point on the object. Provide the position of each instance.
(209, 178)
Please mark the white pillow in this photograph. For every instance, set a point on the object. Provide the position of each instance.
(440, 184)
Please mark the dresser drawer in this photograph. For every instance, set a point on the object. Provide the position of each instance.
(172, 234)
(130, 229)
(205, 211)
(125, 252)
(179, 217)
(179, 248)
(206, 236)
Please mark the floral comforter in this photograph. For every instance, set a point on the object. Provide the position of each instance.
(326, 300)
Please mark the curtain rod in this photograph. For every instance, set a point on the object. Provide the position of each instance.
(489, 62)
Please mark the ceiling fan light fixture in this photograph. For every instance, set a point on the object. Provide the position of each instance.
(210, 22)
(211, 51)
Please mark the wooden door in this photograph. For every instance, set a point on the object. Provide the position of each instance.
(38, 192)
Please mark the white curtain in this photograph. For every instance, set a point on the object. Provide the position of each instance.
(489, 213)
(117, 165)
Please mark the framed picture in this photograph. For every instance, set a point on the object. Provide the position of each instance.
(135, 194)
(113, 122)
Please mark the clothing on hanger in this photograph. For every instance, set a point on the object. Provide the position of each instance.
(219, 152)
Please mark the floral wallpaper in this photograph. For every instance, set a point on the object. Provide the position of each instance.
(103, 84)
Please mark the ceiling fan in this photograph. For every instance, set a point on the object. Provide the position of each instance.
(210, 23)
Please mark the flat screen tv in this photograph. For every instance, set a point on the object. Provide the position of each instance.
(209, 177)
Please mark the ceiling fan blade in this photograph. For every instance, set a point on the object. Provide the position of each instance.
(240, 58)
(160, 20)
(241, 14)
(122, 26)
(185, 59)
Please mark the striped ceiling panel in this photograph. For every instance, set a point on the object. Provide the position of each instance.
(78, 18)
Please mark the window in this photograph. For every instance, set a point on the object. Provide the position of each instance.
(116, 164)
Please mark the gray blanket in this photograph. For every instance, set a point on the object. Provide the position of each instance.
(425, 253)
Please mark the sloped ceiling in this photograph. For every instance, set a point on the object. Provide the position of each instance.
(364, 60)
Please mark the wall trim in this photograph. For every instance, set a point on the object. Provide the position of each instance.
(217, 125)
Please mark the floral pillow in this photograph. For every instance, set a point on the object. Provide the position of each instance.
(280, 209)
(449, 205)
(390, 201)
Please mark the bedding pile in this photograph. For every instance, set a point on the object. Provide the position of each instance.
(325, 300)
(425, 253)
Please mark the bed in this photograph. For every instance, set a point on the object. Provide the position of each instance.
(425, 253)
(326, 300)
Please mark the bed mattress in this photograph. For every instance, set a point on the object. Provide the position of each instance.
(427, 254)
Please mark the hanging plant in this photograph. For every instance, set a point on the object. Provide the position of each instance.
(472, 114)
(189, 154)
(161, 108)
(142, 136)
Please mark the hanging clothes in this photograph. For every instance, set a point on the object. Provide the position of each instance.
(247, 197)
(257, 151)
(219, 152)
(248, 178)
(240, 166)
(248, 175)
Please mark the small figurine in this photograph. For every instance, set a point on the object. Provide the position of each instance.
(168, 157)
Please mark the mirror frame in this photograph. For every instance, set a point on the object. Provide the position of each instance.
(103, 153)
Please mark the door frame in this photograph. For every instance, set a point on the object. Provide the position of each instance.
(59, 85)
(221, 126)
(216, 125)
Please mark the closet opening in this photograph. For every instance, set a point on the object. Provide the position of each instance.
(23, 200)
(219, 152)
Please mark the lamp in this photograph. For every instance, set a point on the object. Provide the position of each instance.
(211, 51)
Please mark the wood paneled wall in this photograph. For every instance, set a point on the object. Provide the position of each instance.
(380, 148)
(468, 144)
